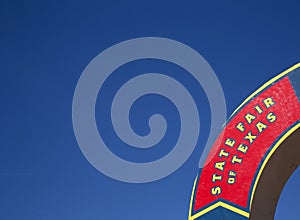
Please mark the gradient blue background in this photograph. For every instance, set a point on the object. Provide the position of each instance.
(44, 47)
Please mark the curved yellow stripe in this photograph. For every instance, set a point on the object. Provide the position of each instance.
(269, 155)
(192, 198)
(210, 208)
(216, 205)
(265, 86)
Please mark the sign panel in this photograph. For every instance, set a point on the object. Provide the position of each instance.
(225, 186)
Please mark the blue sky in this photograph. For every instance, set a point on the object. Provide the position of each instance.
(45, 46)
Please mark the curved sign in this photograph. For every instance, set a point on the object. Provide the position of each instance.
(244, 155)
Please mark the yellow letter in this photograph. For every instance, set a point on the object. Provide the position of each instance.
(249, 118)
(269, 102)
(229, 142)
(242, 148)
(223, 153)
(250, 137)
(220, 165)
(215, 177)
(271, 117)
(261, 126)
(240, 126)
(258, 109)
(231, 178)
(216, 190)
(235, 159)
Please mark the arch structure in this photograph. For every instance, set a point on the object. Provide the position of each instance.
(253, 157)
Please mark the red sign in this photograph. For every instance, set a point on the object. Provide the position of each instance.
(234, 164)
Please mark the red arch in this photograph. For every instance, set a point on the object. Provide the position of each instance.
(257, 143)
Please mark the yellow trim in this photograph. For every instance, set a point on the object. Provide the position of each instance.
(268, 158)
(232, 208)
(229, 207)
(216, 205)
(192, 197)
(265, 86)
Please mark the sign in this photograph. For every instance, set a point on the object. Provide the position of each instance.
(225, 186)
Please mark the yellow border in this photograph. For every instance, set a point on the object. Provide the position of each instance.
(192, 198)
(269, 156)
(218, 204)
(232, 208)
(266, 85)
(214, 206)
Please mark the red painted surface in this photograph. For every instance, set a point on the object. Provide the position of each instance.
(285, 108)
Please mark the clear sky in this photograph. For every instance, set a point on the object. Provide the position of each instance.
(45, 46)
